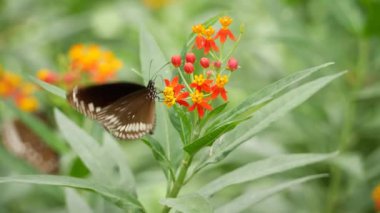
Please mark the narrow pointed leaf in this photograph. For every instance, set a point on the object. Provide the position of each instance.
(120, 199)
(267, 115)
(49, 87)
(152, 58)
(192, 203)
(75, 202)
(271, 90)
(127, 180)
(85, 147)
(263, 168)
(252, 198)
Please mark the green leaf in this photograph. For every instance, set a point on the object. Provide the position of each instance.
(152, 58)
(127, 180)
(192, 203)
(251, 198)
(75, 202)
(49, 87)
(210, 116)
(159, 155)
(209, 138)
(267, 115)
(85, 147)
(263, 168)
(46, 133)
(268, 92)
(121, 199)
(181, 122)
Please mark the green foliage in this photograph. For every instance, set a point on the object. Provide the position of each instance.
(247, 139)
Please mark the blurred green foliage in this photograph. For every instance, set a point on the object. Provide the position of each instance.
(280, 37)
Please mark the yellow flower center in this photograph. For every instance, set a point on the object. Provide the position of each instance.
(199, 79)
(169, 99)
(221, 80)
(197, 97)
(168, 91)
(225, 21)
(209, 32)
(198, 29)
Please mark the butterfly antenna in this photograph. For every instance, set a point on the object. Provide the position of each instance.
(159, 70)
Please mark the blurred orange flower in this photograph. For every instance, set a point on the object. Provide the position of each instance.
(13, 87)
(376, 197)
(87, 63)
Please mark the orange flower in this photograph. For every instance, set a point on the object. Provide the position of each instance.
(21, 93)
(27, 103)
(218, 88)
(173, 94)
(199, 40)
(200, 83)
(224, 32)
(100, 65)
(209, 42)
(376, 197)
(47, 76)
(200, 103)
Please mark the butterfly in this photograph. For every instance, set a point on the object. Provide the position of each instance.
(126, 110)
(21, 141)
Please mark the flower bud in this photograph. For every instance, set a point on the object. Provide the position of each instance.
(190, 57)
(217, 64)
(232, 64)
(189, 68)
(205, 63)
(209, 73)
(176, 60)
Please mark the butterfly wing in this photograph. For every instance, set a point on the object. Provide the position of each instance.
(91, 100)
(131, 117)
(126, 110)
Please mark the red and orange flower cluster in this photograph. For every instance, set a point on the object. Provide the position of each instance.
(14, 88)
(87, 63)
(208, 76)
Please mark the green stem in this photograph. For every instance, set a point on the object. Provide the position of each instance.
(184, 80)
(179, 182)
(350, 115)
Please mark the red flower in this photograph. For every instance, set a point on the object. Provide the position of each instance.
(209, 42)
(224, 32)
(173, 94)
(199, 40)
(218, 88)
(201, 84)
(200, 103)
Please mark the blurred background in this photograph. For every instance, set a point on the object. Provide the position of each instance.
(281, 37)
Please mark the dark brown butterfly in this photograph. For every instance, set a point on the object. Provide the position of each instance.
(126, 110)
(20, 140)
